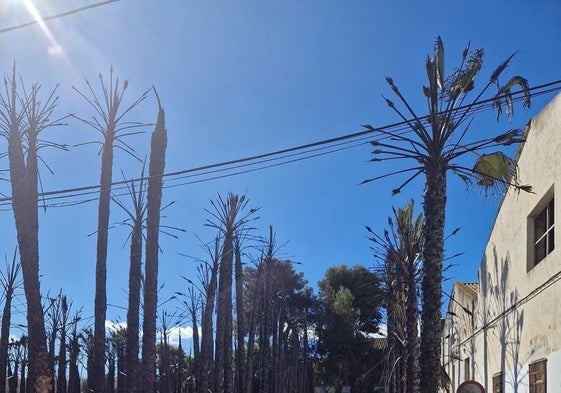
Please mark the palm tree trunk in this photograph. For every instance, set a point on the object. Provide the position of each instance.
(196, 345)
(240, 367)
(133, 311)
(411, 332)
(61, 379)
(224, 316)
(434, 211)
(8, 283)
(153, 206)
(206, 324)
(255, 307)
(100, 301)
(24, 202)
(73, 374)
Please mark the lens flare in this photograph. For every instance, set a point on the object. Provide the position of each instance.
(54, 47)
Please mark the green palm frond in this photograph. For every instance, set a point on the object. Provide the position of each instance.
(495, 171)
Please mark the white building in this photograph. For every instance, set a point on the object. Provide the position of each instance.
(506, 333)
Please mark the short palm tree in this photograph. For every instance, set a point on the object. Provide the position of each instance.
(399, 250)
(435, 144)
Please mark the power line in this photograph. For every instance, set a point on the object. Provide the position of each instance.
(67, 13)
(266, 160)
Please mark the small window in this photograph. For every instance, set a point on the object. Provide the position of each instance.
(541, 232)
(498, 383)
(538, 376)
(544, 226)
(467, 373)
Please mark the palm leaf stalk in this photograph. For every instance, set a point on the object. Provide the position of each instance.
(435, 144)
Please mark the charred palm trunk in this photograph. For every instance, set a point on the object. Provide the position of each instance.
(6, 317)
(153, 205)
(9, 284)
(224, 310)
(61, 379)
(252, 328)
(431, 329)
(132, 367)
(207, 341)
(265, 333)
(240, 367)
(100, 302)
(74, 353)
(24, 203)
(196, 347)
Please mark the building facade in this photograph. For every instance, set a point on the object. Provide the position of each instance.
(511, 337)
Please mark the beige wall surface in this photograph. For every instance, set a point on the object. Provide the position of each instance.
(517, 317)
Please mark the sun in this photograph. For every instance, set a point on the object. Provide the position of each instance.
(54, 47)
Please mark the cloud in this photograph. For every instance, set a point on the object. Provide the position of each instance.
(111, 326)
(185, 332)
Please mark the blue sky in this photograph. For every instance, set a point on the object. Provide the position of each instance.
(243, 78)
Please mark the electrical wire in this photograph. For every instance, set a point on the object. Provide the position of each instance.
(81, 195)
(56, 16)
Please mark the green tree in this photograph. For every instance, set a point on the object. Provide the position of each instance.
(351, 299)
(276, 298)
(436, 143)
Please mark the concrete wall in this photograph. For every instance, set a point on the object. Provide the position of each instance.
(518, 316)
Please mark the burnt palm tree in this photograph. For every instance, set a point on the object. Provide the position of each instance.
(153, 206)
(436, 143)
(10, 282)
(24, 115)
(73, 356)
(228, 216)
(135, 220)
(209, 279)
(109, 121)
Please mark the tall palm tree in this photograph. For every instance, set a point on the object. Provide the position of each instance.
(435, 144)
(209, 279)
(109, 121)
(153, 206)
(135, 221)
(23, 117)
(228, 216)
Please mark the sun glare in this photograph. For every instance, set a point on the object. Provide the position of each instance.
(54, 47)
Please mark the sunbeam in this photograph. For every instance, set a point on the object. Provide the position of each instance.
(54, 47)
